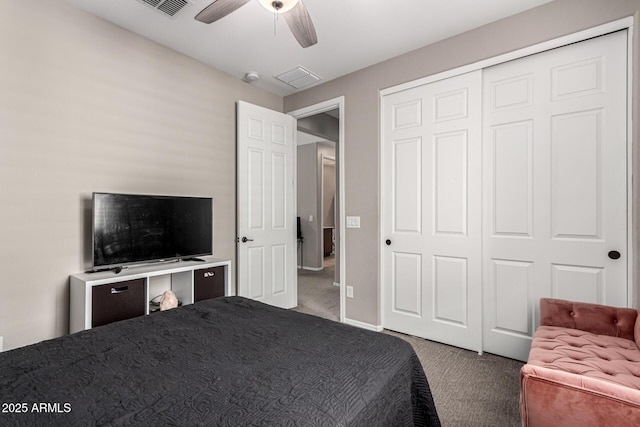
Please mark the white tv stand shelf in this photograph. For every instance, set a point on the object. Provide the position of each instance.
(103, 297)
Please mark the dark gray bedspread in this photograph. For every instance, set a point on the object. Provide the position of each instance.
(222, 362)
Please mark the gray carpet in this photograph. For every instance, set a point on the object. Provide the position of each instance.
(316, 293)
(469, 389)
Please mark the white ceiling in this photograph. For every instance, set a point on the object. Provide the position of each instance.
(352, 34)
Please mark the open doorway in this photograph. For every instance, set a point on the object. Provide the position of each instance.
(320, 202)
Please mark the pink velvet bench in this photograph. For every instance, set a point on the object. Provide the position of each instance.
(583, 368)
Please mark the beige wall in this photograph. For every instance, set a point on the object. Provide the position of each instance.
(361, 92)
(87, 106)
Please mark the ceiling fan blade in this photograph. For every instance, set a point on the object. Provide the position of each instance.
(301, 25)
(219, 9)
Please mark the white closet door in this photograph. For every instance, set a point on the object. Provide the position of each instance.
(555, 186)
(431, 208)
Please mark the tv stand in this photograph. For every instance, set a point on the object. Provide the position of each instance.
(100, 297)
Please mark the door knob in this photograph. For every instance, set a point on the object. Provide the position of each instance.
(614, 254)
(245, 240)
(388, 242)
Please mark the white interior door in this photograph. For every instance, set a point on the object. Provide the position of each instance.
(266, 256)
(555, 185)
(431, 208)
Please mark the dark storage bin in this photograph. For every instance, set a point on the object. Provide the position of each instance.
(208, 283)
(117, 301)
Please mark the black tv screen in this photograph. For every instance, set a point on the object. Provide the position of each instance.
(134, 229)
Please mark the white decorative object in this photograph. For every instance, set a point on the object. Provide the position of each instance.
(168, 301)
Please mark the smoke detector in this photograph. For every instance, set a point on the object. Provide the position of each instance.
(251, 76)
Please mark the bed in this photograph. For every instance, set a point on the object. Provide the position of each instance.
(221, 362)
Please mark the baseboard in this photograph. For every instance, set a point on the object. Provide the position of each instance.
(311, 268)
(362, 325)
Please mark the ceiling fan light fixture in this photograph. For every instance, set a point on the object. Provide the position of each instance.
(294, 13)
(278, 6)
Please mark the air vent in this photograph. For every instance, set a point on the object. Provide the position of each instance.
(298, 78)
(167, 7)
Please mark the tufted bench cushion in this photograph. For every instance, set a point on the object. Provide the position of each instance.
(583, 367)
(614, 360)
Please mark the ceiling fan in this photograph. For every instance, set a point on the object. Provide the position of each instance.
(294, 12)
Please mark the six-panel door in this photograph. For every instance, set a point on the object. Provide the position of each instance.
(432, 211)
(555, 186)
(265, 196)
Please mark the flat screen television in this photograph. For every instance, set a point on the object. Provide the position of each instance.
(136, 229)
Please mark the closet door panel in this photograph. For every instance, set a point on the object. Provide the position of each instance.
(431, 211)
(576, 175)
(450, 279)
(555, 157)
(511, 284)
(406, 284)
(511, 148)
(450, 177)
(406, 178)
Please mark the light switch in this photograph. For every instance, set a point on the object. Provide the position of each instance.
(310, 218)
(353, 222)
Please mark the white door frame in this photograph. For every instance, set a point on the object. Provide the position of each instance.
(633, 295)
(311, 110)
(324, 157)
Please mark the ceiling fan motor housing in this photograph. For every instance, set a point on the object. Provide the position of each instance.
(279, 6)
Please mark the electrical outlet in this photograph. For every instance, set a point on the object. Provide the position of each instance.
(1, 344)
(349, 291)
